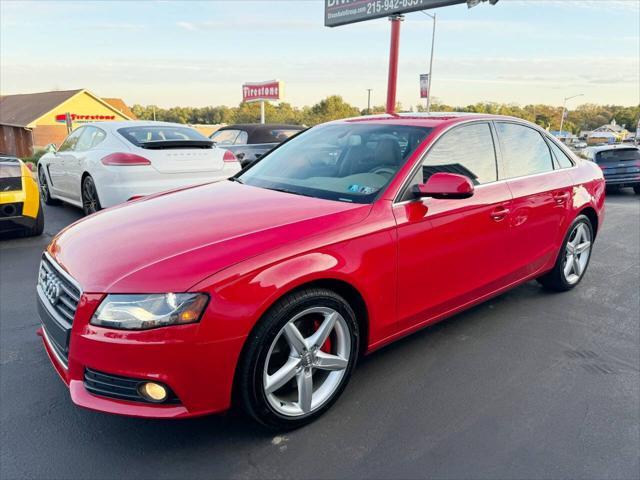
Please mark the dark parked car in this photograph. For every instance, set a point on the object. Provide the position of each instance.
(250, 141)
(620, 164)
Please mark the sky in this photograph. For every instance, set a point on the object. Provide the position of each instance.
(199, 53)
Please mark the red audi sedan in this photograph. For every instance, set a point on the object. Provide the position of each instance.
(263, 291)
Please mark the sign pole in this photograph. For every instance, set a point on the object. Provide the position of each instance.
(262, 112)
(433, 40)
(393, 62)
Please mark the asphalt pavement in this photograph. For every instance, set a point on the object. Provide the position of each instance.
(529, 385)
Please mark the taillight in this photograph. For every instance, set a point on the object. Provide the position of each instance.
(124, 160)
(229, 156)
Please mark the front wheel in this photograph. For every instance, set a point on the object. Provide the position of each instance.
(45, 191)
(299, 359)
(573, 258)
(90, 200)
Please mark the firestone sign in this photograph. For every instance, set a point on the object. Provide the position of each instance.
(62, 118)
(255, 92)
(342, 12)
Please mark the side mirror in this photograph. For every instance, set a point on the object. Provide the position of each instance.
(51, 148)
(445, 185)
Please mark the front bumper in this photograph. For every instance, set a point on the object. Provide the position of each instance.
(198, 371)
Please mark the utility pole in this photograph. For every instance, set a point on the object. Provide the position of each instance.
(369, 90)
(392, 83)
(262, 112)
(433, 41)
(564, 108)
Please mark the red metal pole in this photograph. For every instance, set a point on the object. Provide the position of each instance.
(393, 62)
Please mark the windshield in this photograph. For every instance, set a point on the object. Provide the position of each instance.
(346, 162)
(618, 155)
(146, 135)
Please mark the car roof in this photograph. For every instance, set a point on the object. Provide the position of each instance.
(614, 146)
(260, 126)
(132, 123)
(432, 119)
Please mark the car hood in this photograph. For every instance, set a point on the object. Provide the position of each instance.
(171, 241)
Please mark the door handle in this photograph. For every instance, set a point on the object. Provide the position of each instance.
(499, 213)
(561, 197)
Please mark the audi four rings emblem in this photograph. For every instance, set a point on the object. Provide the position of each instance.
(50, 286)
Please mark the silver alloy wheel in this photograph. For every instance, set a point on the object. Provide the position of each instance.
(317, 373)
(577, 253)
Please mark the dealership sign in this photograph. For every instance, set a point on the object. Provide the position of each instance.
(342, 12)
(255, 92)
(62, 118)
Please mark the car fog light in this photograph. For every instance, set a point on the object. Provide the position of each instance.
(153, 391)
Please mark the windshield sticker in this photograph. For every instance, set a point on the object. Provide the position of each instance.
(361, 189)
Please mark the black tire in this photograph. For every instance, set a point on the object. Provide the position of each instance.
(90, 200)
(45, 190)
(636, 188)
(249, 388)
(556, 279)
(38, 227)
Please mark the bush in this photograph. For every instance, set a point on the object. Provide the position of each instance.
(33, 159)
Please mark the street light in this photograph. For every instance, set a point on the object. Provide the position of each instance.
(564, 107)
(433, 40)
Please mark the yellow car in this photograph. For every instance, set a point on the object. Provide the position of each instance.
(20, 209)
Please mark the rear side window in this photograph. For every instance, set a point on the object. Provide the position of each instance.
(560, 158)
(524, 151)
(618, 155)
(225, 137)
(281, 134)
(466, 150)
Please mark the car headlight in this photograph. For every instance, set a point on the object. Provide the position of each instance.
(141, 312)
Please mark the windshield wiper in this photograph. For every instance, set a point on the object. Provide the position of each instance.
(284, 190)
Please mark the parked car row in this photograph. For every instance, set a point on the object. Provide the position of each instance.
(264, 290)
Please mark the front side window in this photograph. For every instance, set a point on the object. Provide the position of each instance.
(350, 162)
(86, 140)
(72, 140)
(225, 137)
(524, 151)
(467, 150)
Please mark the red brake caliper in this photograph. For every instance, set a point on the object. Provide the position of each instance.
(326, 346)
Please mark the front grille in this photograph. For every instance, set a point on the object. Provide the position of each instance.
(121, 388)
(58, 297)
(10, 184)
(58, 290)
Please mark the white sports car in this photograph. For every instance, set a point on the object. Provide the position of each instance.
(106, 163)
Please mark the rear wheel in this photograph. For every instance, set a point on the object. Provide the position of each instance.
(90, 200)
(299, 359)
(45, 191)
(636, 188)
(573, 259)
